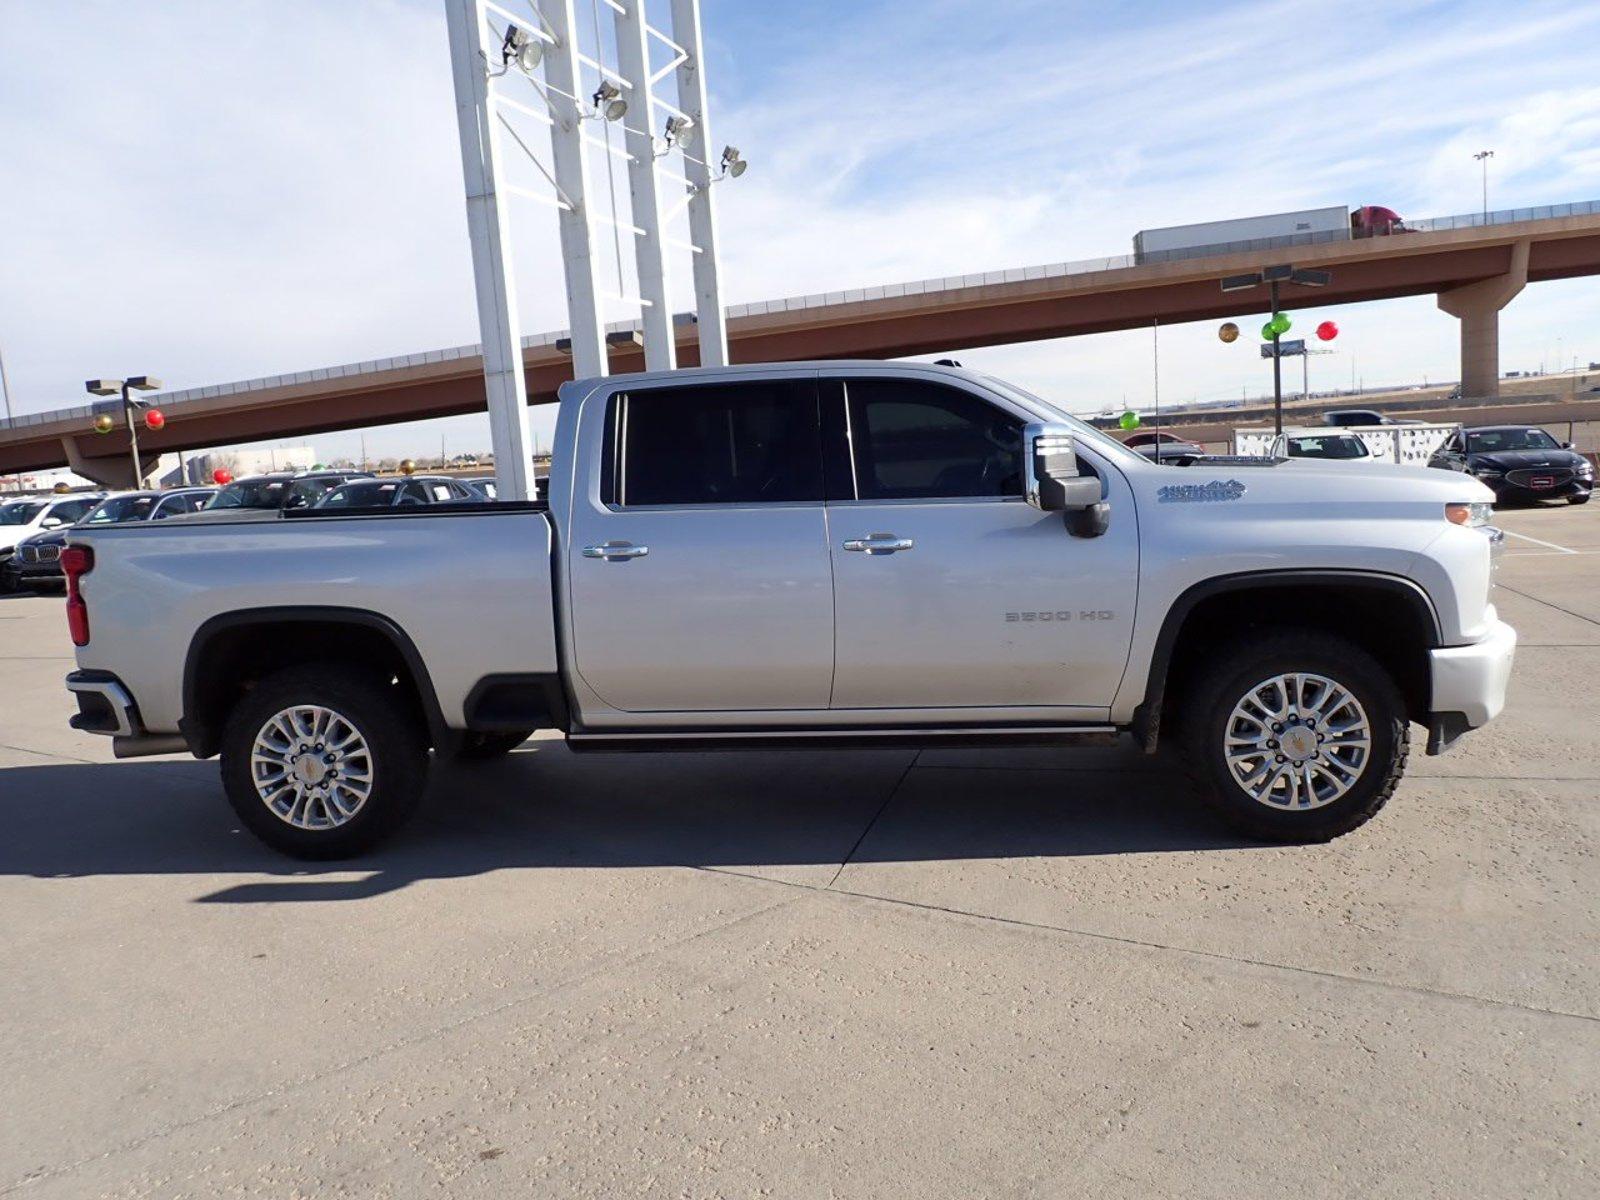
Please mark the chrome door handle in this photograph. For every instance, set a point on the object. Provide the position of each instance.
(615, 551)
(879, 543)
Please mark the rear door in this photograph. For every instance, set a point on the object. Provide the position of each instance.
(950, 590)
(698, 559)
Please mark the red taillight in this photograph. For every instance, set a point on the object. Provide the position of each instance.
(76, 562)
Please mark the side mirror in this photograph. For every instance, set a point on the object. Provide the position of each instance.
(1054, 484)
(1567, 446)
(52, 523)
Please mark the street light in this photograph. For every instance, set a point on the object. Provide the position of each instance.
(112, 387)
(1274, 277)
(1483, 156)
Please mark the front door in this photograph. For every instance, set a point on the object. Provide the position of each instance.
(950, 590)
(699, 569)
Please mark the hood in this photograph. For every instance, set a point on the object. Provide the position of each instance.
(1312, 481)
(1521, 460)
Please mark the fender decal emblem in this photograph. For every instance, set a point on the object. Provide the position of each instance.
(1192, 493)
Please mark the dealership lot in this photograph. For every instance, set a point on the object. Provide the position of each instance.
(952, 973)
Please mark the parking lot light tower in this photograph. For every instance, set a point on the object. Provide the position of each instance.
(1273, 277)
(130, 404)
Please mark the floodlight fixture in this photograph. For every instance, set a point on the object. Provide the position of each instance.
(732, 163)
(1238, 283)
(1310, 277)
(522, 48)
(144, 383)
(1278, 274)
(103, 387)
(680, 131)
(608, 101)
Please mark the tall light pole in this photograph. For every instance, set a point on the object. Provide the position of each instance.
(1483, 156)
(1273, 277)
(5, 390)
(111, 387)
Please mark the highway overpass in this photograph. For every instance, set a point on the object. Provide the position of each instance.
(1474, 264)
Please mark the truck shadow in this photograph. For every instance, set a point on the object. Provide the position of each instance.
(544, 807)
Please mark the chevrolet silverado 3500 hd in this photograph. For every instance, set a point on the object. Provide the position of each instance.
(810, 554)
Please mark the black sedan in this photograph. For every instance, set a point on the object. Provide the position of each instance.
(1519, 462)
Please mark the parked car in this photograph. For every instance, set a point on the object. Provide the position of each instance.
(21, 519)
(1520, 463)
(37, 562)
(720, 566)
(279, 490)
(397, 492)
(484, 486)
(1314, 443)
(1159, 446)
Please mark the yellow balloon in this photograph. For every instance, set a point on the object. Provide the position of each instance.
(407, 467)
(104, 424)
(1229, 332)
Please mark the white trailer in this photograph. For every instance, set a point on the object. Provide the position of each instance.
(1403, 445)
(1182, 241)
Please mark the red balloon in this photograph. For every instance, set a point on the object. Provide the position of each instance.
(1327, 331)
(222, 476)
(155, 418)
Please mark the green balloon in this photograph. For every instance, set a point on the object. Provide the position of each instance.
(1281, 323)
(1129, 420)
(1266, 332)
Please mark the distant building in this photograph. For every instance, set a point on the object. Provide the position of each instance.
(239, 463)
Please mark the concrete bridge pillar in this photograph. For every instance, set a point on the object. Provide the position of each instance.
(112, 472)
(1477, 306)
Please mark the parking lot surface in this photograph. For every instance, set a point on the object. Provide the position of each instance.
(945, 974)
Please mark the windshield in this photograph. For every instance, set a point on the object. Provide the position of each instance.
(1323, 446)
(20, 512)
(121, 508)
(1492, 440)
(1081, 429)
(249, 493)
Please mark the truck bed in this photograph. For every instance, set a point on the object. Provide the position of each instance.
(468, 584)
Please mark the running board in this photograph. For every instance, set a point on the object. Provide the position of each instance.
(667, 741)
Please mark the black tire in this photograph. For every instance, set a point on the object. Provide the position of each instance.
(1583, 499)
(480, 747)
(1231, 673)
(396, 758)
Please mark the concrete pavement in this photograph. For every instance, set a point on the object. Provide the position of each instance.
(954, 974)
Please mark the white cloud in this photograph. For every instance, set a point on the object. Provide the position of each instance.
(277, 186)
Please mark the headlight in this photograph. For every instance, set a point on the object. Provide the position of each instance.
(1475, 513)
(1586, 468)
(1487, 473)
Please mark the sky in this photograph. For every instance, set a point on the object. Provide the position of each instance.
(212, 193)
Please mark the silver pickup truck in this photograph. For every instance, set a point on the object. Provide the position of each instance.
(820, 555)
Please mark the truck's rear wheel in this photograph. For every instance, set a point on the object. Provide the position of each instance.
(323, 762)
(1296, 736)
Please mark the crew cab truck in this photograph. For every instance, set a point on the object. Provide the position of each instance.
(818, 555)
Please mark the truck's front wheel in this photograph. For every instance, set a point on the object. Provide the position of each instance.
(1296, 736)
(323, 762)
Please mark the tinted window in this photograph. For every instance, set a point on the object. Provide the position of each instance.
(249, 493)
(121, 508)
(19, 513)
(726, 444)
(1328, 446)
(72, 510)
(359, 495)
(917, 440)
